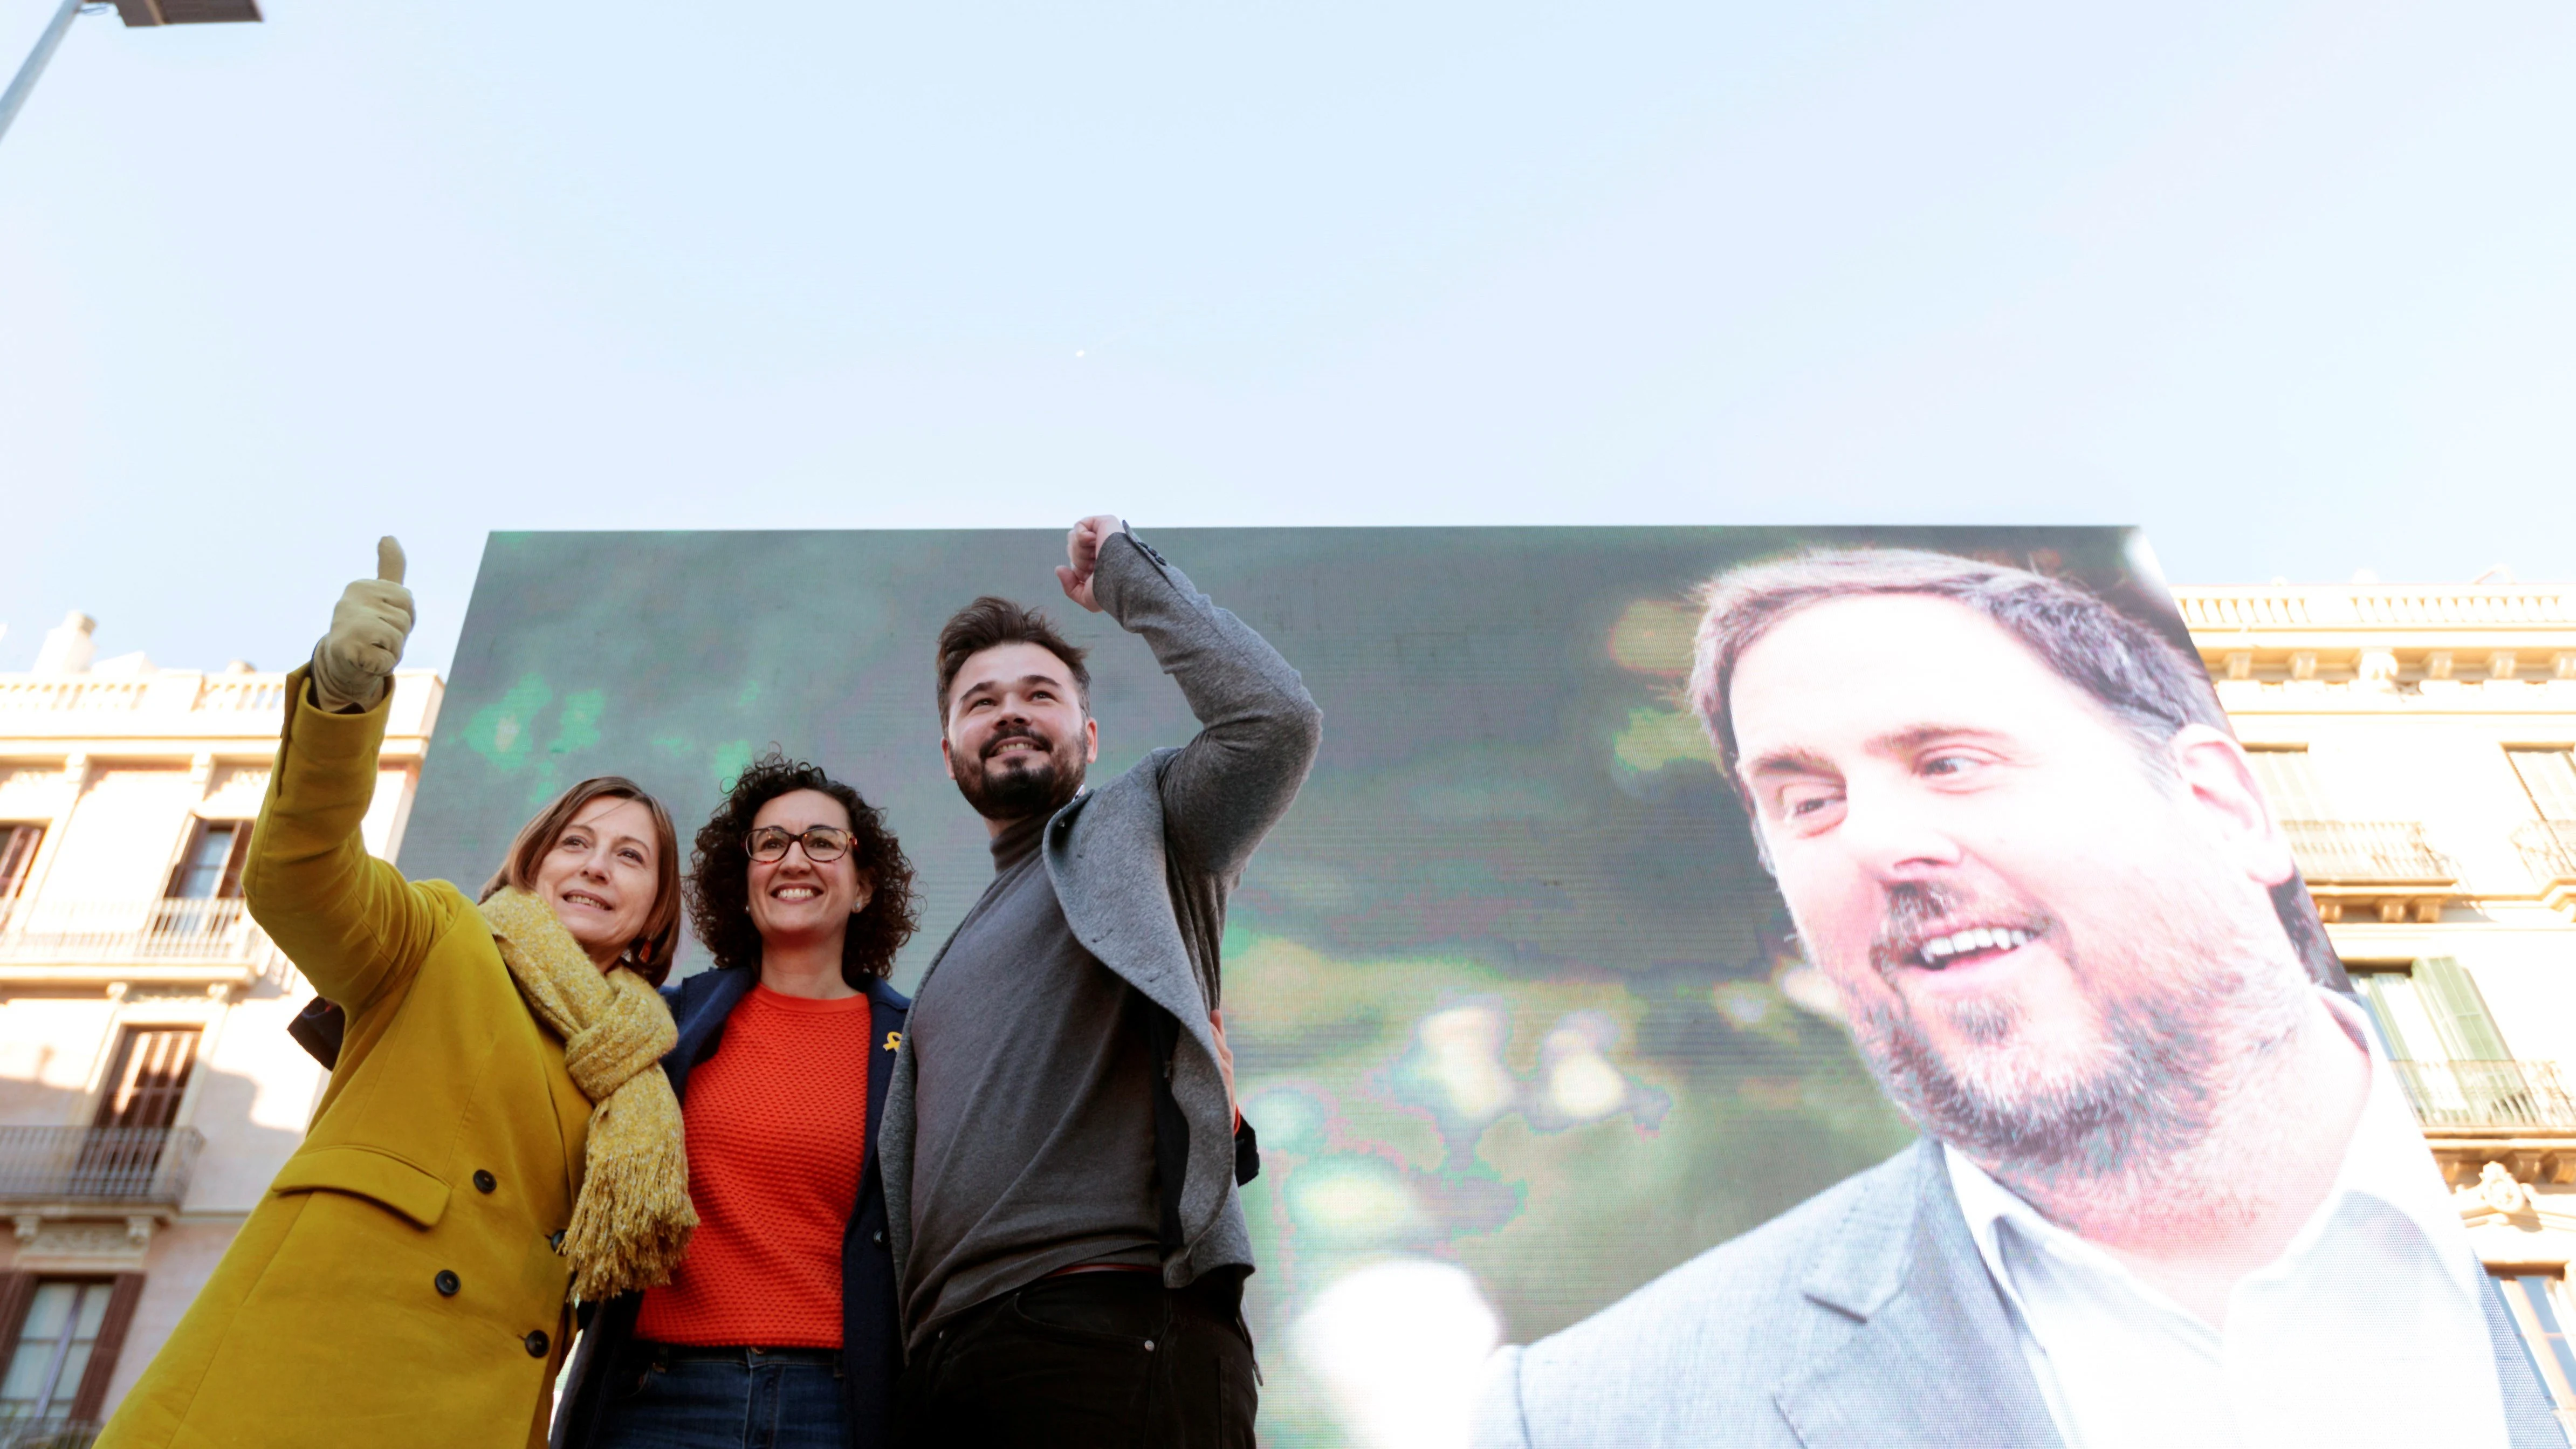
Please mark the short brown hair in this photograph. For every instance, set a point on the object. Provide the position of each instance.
(2145, 680)
(648, 955)
(2148, 683)
(991, 621)
(720, 873)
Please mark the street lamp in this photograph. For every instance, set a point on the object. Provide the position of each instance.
(132, 12)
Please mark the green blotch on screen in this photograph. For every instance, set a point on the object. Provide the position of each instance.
(1655, 738)
(578, 726)
(502, 731)
(728, 761)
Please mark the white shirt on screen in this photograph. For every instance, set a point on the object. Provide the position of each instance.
(2367, 1331)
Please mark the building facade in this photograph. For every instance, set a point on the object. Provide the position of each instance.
(148, 1087)
(2416, 744)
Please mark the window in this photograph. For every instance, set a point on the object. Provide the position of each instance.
(17, 856)
(2289, 781)
(2431, 1011)
(2448, 1052)
(147, 1077)
(211, 870)
(2538, 1303)
(63, 1335)
(2549, 777)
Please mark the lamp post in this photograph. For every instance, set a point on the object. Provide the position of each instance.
(134, 13)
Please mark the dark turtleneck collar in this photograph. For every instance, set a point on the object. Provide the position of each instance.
(1018, 841)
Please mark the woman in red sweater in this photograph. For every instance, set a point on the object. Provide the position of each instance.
(779, 1327)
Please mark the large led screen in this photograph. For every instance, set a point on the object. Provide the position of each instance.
(1520, 1013)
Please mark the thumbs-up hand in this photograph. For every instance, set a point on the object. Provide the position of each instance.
(353, 662)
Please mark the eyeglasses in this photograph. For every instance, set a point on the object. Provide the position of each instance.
(821, 843)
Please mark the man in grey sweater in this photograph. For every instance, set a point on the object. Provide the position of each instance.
(1060, 1143)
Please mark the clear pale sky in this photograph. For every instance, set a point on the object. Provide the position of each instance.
(2289, 284)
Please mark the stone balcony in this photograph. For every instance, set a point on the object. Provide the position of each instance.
(171, 942)
(180, 705)
(2516, 1115)
(2518, 613)
(2387, 869)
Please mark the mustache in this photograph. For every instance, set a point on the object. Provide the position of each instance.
(1010, 732)
(1916, 910)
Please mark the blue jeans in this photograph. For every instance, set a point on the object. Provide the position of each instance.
(750, 1401)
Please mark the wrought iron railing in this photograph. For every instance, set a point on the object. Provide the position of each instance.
(39, 928)
(48, 1432)
(2548, 847)
(107, 1166)
(2488, 1096)
(2367, 852)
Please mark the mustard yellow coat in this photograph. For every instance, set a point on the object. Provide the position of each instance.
(396, 1286)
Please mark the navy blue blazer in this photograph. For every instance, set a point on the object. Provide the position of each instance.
(871, 1338)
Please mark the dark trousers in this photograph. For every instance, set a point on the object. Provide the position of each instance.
(1089, 1359)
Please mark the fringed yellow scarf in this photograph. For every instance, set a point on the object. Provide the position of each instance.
(632, 1218)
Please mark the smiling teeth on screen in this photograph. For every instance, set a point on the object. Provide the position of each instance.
(1980, 938)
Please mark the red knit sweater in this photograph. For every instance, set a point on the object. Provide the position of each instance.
(777, 1123)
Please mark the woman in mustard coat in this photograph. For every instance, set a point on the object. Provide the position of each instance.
(405, 1280)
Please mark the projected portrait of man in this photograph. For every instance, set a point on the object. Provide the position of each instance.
(2165, 1195)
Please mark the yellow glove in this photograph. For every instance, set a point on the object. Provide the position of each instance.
(355, 661)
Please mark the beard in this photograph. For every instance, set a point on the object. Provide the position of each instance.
(2181, 997)
(1021, 784)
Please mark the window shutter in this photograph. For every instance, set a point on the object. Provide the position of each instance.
(2550, 777)
(2375, 988)
(17, 854)
(2459, 1012)
(15, 1291)
(229, 888)
(149, 1078)
(90, 1404)
(2289, 781)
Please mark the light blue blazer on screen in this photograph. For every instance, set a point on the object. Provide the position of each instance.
(1861, 1319)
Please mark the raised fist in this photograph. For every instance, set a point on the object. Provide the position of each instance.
(1082, 557)
(354, 662)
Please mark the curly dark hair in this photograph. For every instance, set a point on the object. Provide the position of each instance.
(720, 873)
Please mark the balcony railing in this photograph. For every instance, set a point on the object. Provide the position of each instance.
(41, 929)
(2548, 847)
(49, 1432)
(2367, 852)
(2348, 606)
(99, 1166)
(190, 691)
(2488, 1096)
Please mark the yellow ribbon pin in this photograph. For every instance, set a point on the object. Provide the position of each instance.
(893, 1039)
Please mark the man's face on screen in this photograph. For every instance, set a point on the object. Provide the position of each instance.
(2037, 924)
(1018, 739)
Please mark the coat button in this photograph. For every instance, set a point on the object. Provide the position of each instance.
(877, 1237)
(446, 1283)
(554, 1240)
(484, 1181)
(537, 1343)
